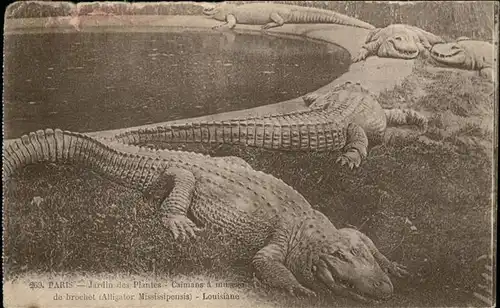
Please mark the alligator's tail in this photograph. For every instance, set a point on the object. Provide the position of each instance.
(397, 117)
(64, 147)
(314, 15)
(282, 132)
(49, 145)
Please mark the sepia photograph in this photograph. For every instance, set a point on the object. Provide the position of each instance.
(271, 154)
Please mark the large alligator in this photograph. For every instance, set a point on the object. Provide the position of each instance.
(397, 41)
(271, 15)
(344, 118)
(466, 54)
(296, 247)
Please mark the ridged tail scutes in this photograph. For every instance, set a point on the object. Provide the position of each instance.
(176, 133)
(217, 132)
(397, 117)
(36, 147)
(289, 132)
(53, 145)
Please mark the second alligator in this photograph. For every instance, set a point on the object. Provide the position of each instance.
(343, 119)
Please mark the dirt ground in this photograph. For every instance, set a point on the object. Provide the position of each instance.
(424, 199)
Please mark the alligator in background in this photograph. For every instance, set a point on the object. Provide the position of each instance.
(342, 119)
(271, 15)
(397, 41)
(296, 247)
(466, 54)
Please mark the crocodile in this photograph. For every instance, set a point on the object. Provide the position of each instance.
(397, 41)
(343, 119)
(295, 248)
(271, 15)
(467, 54)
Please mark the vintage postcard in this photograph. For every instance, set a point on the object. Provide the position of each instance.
(250, 154)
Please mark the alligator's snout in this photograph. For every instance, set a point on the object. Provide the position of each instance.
(399, 47)
(438, 54)
(357, 283)
(383, 287)
(443, 51)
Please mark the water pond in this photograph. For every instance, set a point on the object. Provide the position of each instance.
(108, 80)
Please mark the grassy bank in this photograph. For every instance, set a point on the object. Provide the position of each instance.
(424, 200)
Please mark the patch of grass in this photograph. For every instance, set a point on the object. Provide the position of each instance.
(88, 219)
(458, 104)
(462, 96)
(461, 92)
(473, 130)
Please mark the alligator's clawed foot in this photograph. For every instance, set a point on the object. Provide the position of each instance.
(301, 291)
(357, 58)
(351, 158)
(360, 56)
(256, 282)
(425, 53)
(423, 124)
(180, 226)
(398, 270)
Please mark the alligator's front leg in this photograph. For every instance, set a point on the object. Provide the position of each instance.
(428, 39)
(277, 21)
(424, 42)
(423, 49)
(365, 51)
(176, 204)
(356, 147)
(362, 54)
(229, 24)
(270, 270)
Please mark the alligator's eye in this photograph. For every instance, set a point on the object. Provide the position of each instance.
(398, 38)
(339, 255)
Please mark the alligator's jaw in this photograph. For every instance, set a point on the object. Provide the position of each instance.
(457, 57)
(326, 274)
(341, 288)
(390, 49)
